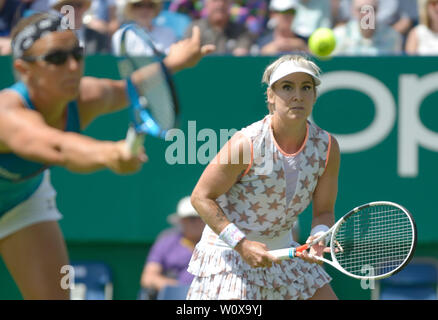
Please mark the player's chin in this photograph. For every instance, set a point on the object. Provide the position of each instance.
(297, 113)
(70, 88)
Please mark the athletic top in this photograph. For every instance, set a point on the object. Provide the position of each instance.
(19, 178)
(427, 41)
(267, 200)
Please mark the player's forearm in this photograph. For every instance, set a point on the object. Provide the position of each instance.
(83, 154)
(210, 212)
(326, 218)
(73, 151)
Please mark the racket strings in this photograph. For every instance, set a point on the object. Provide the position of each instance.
(155, 94)
(374, 241)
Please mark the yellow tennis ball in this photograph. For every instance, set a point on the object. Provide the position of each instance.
(322, 42)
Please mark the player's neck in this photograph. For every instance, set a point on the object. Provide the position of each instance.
(289, 138)
(52, 110)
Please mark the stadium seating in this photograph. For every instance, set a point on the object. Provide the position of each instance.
(417, 281)
(173, 292)
(93, 281)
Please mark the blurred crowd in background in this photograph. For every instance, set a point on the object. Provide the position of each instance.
(247, 27)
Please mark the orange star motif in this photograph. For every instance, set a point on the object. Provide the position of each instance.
(255, 207)
(305, 183)
(265, 232)
(315, 141)
(321, 163)
(261, 219)
(250, 189)
(311, 160)
(243, 217)
(273, 205)
(242, 196)
(230, 207)
(280, 174)
(269, 191)
(296, 200)
(282, 194)
(277, 221)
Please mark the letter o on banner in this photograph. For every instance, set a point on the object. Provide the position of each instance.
(383, 101)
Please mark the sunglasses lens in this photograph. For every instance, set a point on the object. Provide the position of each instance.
(78, 53)
(60, 57)
(57, 58)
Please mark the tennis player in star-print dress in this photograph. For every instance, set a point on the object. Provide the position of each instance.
(285, 162)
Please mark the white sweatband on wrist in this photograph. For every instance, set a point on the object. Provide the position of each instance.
(231, 235)
(319, 230)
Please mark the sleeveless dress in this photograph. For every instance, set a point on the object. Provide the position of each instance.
(264, 204)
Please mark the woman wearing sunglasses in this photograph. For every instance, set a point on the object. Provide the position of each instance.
(40, 122)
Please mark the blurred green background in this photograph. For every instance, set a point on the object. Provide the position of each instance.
(115, 219)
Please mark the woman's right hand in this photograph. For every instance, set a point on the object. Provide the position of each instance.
(255, 254)
(122, 161)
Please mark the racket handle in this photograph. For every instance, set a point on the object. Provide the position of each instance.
(134, 141)
(288, 253)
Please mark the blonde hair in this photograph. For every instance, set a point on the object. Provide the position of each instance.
(423, 13)
(300, 60)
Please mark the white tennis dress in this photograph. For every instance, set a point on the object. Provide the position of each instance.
(264, 204)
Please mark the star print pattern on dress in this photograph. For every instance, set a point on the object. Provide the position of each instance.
(258, 204)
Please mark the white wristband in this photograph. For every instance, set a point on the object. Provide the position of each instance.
(319, 230)
(231, 235)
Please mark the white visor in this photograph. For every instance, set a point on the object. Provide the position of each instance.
(289, 67)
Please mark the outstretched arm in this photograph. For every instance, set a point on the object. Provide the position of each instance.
(25, 133)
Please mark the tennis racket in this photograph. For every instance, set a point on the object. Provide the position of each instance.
(372, 241)
(153, 102)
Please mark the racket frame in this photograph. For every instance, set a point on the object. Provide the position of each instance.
(136, 132)
(290, 253)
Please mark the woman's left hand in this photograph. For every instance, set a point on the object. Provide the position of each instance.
(317, 250)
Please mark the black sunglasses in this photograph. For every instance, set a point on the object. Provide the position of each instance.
(58, 57)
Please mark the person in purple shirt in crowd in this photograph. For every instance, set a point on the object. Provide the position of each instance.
(168, 259)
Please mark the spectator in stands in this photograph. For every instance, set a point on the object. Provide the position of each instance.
(311, 15)
(93, 41)
(281, 39)
(169, 257)
(360, 36)
(192, 8)
(402, 15)
(252, 13)
(423, 39)
(143, 12)
(9, 12)
(217, 28)
(102, 16)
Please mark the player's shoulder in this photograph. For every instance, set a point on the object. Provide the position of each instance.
(256, 128)
(10, 100)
